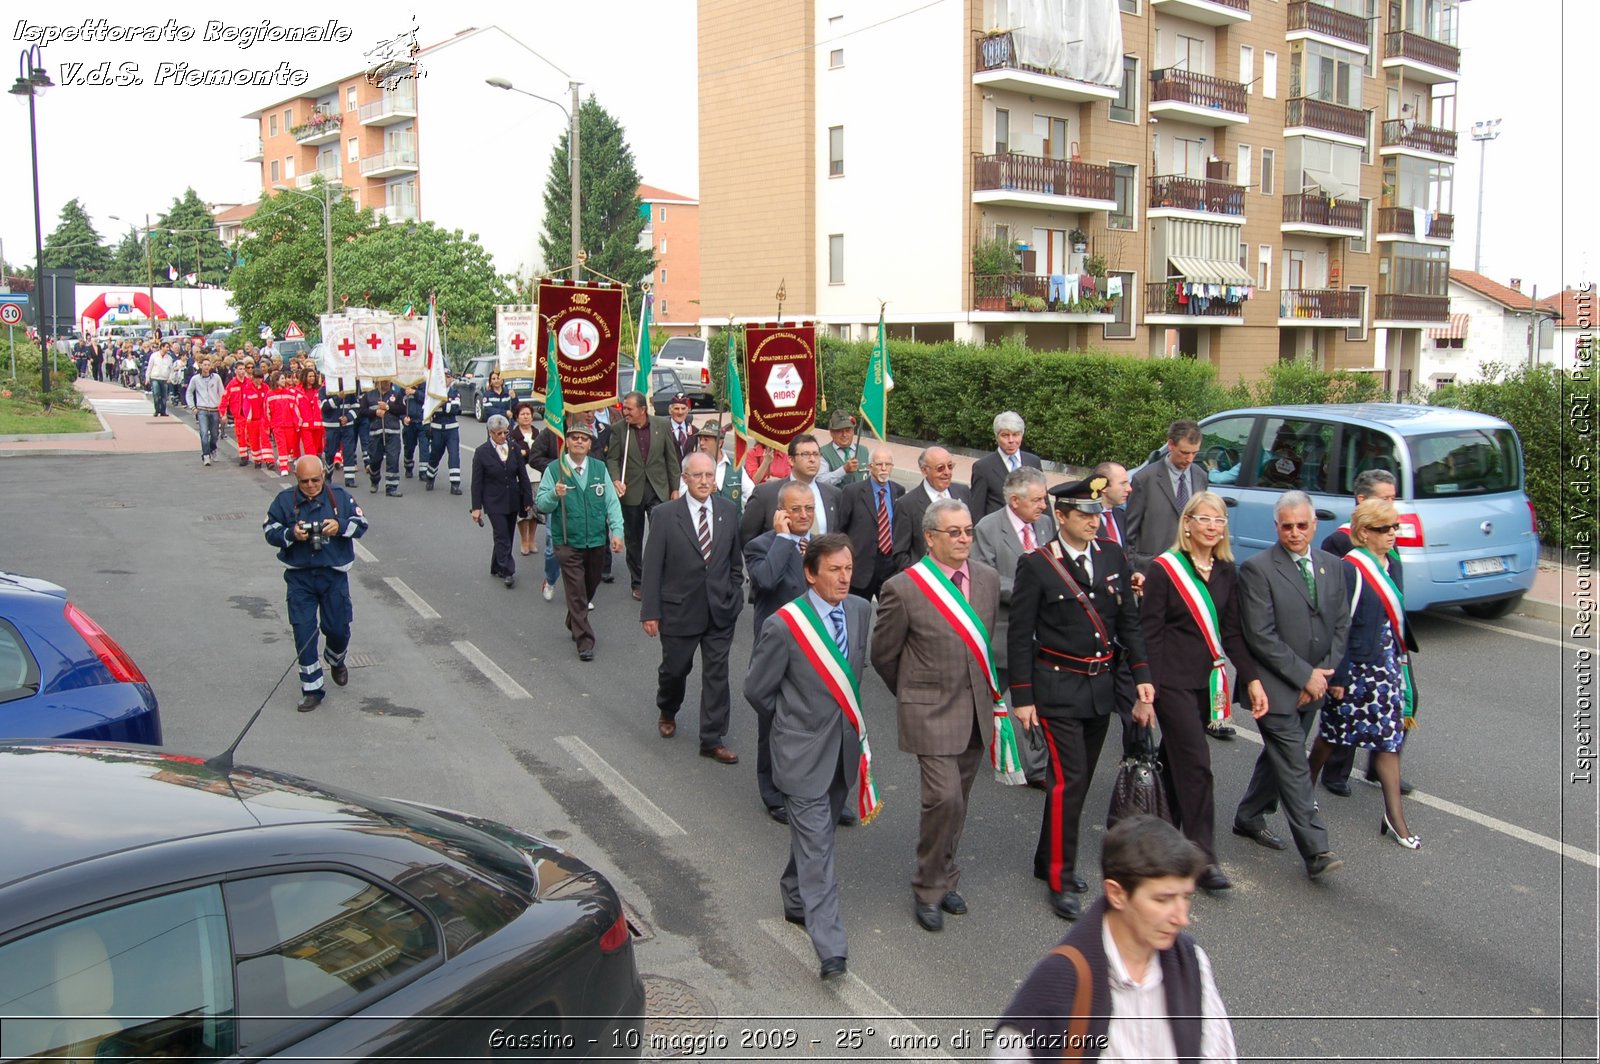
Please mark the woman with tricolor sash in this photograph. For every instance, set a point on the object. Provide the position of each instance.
(1372, 700)
(1192, 632)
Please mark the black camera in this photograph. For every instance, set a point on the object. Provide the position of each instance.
(313, 531)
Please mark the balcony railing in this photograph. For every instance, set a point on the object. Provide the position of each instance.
(1197, 194)
(1402, 221)
(1313, 209)
(1330, 22)
(392, 161)
(1319, 303)
(1010, 291)
(999, 52)
(1320, 114)
(1403, 44)
(1413, 308)
(1161, 297)
(321, 124)
(390, 105)
(398, 212)
(333, 175)
(1201, 90)
(1404, 133)
(253, 155)
(1048, 177)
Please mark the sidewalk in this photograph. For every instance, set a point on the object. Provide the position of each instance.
(131, 427)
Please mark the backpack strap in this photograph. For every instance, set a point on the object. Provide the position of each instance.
(1082, 1002)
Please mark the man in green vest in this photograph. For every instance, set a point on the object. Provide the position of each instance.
(842, 456)
(577, 491)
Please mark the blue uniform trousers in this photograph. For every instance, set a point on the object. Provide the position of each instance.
(314, 591)
(341, 438)
(410, 436)
(442, 440)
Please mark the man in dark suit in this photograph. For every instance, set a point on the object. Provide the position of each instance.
(1072, 598)
(774, 562)
(938, 469)
(1296, 614)
(682, 425)
(866, 515)
(501, 491)
(805, 462)
(989, 472)
(693, 592)
(816, 733)
(941, 676)
(1118, 487)
(644, 466)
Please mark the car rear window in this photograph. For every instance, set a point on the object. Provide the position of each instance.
(19, 673)
(1465, 462)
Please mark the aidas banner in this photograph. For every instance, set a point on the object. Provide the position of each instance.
(782, 371)
(516, 340)
(587, 320)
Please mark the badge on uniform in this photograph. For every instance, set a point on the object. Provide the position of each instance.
(599, 491)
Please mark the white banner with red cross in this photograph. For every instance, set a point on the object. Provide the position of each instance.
(339, 349)
(410, 351)
(374, 339)
(516, 331)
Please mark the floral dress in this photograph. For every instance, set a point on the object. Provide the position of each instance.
(1371, 714)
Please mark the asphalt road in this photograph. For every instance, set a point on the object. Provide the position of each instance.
(1480, 946)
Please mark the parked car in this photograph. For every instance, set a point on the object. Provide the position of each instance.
(1468, 534)
(115, 334)
(287, 349)
(166, 906)
(688, 355)
(216, 335)
(665, 382)
(63, 676)
(475, 377)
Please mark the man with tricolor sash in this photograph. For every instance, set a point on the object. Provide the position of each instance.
(931, 646)
(806, 675)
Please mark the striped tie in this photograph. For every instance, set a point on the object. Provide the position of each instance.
(885, 531)
(1029, 545)
(1181, 492)
(705, 534)
(836, 615)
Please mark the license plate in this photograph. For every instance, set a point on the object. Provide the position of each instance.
(1482, 566)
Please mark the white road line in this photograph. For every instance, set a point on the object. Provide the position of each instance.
(496, 675)
(860, 998)
(363, 553)
(1469, 622)
(633, 799)
(412, 599)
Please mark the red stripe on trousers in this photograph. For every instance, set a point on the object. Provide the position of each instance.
(1058, 794)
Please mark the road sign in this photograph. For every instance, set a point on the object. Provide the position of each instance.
(10, 314)
(126, 308)
(293, 332)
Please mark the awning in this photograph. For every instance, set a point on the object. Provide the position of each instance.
(1456, 330)
(1210, 271)
(1330, 183)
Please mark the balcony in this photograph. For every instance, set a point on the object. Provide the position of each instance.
(1401, 222)
(1306, 115)
(1031, 297)
(397, 212)
(255, 154)
(1162, 307)
(1205, 12)
(1421, 58)
(1338, 28)
(1029, 181)
(333, 175)
(1180, 197)
(398, 159)
(1318, 215)
(1000, 66)
(1401, 135)
(1201, 98)
(1408, 308)
(321, 128)
(1324, 307)
(390, 108)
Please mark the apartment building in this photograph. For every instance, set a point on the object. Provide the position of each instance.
(672, 230)
(1239, 181)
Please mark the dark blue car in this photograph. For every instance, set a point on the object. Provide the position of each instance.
(62, 676)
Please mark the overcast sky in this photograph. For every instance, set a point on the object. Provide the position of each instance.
(1520, 63)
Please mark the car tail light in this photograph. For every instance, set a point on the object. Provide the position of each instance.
(111, 655)
(1533, 515)
(616, 935)
(705, 374)
(1410, 534)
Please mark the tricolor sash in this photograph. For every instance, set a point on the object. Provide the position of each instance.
(1394, 604)
(816, 642)
(953, 606)
(1195, 595)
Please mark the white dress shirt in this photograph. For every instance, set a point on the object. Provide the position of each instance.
(1012, 462)
(694, 517)
(934, 496)
(819, 524)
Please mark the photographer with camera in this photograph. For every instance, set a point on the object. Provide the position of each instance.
(315, 525)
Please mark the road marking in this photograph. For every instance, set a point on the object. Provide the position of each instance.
(1470, 623)
(496, 675)
(412, 599)
(858, 996)
(363, 553)
(633, 799)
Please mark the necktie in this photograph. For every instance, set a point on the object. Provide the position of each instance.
(1181, 492)
(885, 529)
(577, 471)
(1113, 533)
(501, 451)
(705, 534)
(801, 544)
(1013, 460)
(1082, 561)
(836, 615)
(1311, 581)
(959, 579)
(1028, 544)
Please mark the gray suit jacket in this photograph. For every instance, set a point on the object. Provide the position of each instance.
(762, 506)
(683, 591)
(909, 543)
(997, 545)
(809, 733)
(1289, 634)
(777, 574)
(660, 467)
(1151, 523)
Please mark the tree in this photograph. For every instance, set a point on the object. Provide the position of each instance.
(188, 228)
(608, 184)
(126, 265)
(279, 277)
(75, 245)
(399, 264)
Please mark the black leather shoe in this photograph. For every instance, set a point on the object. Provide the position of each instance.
(606, 578)
(954, 904)
(455, 489)
(1405, 784)
(778, 813)
(1336, 787)
(341, 674)
(585, 655)
(1212, 879)
(833, 968)
(1224, 732)
(849, 818)
(1263, 836)
(1322, 864)
(309, 702)
(1075, 883)
(408, 472)
(1065, 904)
(375, 483)
(929, 917)
(429, 480)
(397, 494)
(798, 921)
(511, 581)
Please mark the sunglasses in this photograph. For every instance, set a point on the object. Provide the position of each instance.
(954, 533)
(1294, 526)
(1383, 530)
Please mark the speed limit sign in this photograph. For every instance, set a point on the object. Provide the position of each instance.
(10, 314)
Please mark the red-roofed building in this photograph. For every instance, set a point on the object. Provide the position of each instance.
(1489, 322)
(1576, 327)
(673, 230)
(229, 219)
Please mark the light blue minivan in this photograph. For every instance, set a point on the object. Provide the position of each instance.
(1468, 533)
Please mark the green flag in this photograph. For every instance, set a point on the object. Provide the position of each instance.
(736, 400)
(641, 368)
(878, 385)
(555, 413)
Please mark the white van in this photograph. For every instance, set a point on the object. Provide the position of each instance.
(115, 334)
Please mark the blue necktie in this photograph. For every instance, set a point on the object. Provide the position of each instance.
(836, 615)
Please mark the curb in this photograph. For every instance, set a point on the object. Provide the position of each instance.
(1539, 609)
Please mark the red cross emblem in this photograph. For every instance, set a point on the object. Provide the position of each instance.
(517, 340)
(374, 342)
(346, 348)
(407, 346)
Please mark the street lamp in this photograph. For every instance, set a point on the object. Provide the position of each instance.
(31, 82)
(327, 230)
(573, 156)
(1483, 133)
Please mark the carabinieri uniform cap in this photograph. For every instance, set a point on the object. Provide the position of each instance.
(1082, 495)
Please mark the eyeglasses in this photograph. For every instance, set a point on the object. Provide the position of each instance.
(948, 467)
(708, 475)
(954, 533)
(1294, 526)
(1383, 530)
(787, 509)
(1210, 522)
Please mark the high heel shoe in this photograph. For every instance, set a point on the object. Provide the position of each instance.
(1410, 842)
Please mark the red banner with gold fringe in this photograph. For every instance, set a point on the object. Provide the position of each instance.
(587, 319)
(781, 363)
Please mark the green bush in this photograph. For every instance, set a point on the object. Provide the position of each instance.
(62, 373)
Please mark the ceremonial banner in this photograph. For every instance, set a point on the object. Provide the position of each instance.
(438, 390)
(587, 321)
(515, 333)
(339, 347)
(782, 364)
(374, 338)
(410, 351)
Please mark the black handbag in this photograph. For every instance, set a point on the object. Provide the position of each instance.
(1138, 788)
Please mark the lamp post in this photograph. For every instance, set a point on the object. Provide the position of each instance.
(1483, 133)
(574, 155)
(31, 82)
(327, 231)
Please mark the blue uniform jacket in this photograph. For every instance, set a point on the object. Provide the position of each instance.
(338, 552)
(444, 415)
